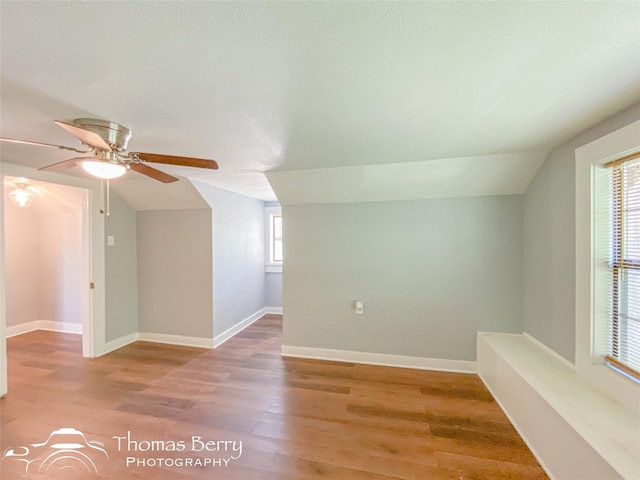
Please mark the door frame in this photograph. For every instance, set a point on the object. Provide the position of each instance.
(93, 262)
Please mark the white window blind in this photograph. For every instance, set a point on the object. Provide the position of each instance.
(624, 321)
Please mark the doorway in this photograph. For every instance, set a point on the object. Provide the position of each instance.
(47, 259)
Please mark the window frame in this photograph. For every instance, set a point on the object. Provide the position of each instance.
(591, 277)
(273, 239)
(271, 266)
(621, 266)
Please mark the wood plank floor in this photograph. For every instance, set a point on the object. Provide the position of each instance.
(294, 419)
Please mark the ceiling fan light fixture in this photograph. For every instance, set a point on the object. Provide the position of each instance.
(21, 196)
(103, 169)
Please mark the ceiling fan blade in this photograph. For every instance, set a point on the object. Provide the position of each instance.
(173, 160)
(72, 162)
(152, 172)
(85, 136)
(41, 144)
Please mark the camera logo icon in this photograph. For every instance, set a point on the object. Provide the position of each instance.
(66, 452)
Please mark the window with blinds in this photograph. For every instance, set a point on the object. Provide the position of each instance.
(624, 327)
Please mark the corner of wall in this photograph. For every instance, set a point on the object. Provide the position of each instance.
(549, 241)
(121, 271)
(238, 256)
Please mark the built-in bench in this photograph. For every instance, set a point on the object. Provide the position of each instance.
(574, 429)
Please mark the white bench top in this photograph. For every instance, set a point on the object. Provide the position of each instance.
(609, 427)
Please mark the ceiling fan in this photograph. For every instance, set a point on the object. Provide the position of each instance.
(106, 157)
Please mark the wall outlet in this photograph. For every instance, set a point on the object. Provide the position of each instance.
(111, 240)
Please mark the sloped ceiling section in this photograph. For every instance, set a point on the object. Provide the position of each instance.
(507, 174)
(141, 194)
(301, 87)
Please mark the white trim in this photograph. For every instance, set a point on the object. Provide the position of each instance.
(549, 351)
(268, 236)
(237, 328)
(88, 338)
(273, 268)
(63, 327)
(3, 303)
(572, 428)
(615, 145)
(22, 328)
(199, 342)
(381, 359)
(113, 344)
(121, 342)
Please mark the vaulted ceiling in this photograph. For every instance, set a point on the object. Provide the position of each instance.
(381, 97)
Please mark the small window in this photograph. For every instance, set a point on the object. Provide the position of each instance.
(273, 241)
(276, 238)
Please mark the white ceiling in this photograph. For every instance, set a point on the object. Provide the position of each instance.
(297, 86)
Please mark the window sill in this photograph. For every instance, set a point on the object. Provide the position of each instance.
(273, 268)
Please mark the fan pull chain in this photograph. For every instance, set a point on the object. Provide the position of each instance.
(108, 200)
(102, 196)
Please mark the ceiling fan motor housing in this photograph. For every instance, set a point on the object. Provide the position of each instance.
(116, 135)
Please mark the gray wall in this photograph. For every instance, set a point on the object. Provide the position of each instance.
(238, 256)
(175, 272)
(121, 271)
(431, 274)
(43, 265)
(549, 241)
(60, 267)
(273, 286)
(22, 266)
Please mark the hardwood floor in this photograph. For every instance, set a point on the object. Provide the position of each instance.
(293, 419)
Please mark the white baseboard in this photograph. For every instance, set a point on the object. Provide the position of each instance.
(21, 328)
(199, 342)
(63, 327)
(238, 327)
(385, 360)
(273, 310)
(112, 345)
(120, 342)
